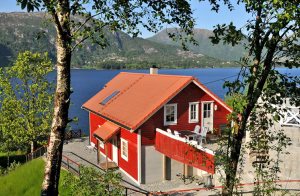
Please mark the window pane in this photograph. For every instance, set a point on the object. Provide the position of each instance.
(206, 110)
(170, 113)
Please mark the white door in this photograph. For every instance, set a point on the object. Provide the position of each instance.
(207, 115)
(115, 149)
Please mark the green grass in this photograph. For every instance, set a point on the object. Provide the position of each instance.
(27, 180)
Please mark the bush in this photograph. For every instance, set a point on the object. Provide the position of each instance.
(12, 158)
(92, 182)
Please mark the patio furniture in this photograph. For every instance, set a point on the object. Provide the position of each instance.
(176, 133)
(169, 131)
(194, 143)
(197, 129)
(203, 135)
(189, 135)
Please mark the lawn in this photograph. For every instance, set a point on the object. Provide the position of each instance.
(27, 180)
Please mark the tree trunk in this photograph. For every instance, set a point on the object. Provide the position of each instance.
(234, 160)
(61, 101)
(32, 149)
(33, 146)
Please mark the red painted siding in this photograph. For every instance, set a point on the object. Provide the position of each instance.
(184, 153)
(129, 166)
(95, 121)
(191, 93)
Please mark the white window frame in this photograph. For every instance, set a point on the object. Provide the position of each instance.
(210, 110)
(175, 114)
(196, 120)
(124, 156)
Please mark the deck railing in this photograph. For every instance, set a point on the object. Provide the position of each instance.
(71, 134)
(184, 151)
(70, 165)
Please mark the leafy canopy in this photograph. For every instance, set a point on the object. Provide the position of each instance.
(26, 99)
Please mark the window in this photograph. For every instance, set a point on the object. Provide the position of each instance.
(107, 99)
(206, 110)
(193, 112)
(124, 149)
(170, 114)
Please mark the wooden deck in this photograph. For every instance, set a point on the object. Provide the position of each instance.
(110, 165)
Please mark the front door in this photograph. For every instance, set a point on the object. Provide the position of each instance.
(115, 149)
(207, 115)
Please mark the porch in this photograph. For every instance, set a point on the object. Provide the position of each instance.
(108, 165)
(186, 148)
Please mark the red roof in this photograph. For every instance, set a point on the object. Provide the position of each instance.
(130, 99)
(106, 131)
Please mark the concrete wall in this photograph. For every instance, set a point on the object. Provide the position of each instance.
(152, 166)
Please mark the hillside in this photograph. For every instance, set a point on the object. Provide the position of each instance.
(219, 51)
(35, 32)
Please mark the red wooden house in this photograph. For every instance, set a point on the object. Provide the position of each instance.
(130, 115)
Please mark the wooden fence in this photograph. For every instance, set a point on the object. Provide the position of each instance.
(70, 134)
(37, 153)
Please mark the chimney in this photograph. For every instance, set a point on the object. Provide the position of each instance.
(153, 69)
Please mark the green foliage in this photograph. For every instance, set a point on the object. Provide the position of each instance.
(9, 157)
(273, 40)
(93, 182)
(237, 102)
(27, 179)
(26, 99)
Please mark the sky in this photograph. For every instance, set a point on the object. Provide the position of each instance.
(205, 18)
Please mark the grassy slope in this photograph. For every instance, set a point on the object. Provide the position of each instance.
(27, 180)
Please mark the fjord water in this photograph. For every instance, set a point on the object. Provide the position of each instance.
(86, 83)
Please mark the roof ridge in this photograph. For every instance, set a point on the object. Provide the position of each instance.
(164, 75)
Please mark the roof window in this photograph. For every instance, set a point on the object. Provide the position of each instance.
(107, 99)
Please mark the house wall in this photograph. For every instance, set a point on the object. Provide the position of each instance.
(95, 121)
(191, 93)
(152, 166)
(130, 166)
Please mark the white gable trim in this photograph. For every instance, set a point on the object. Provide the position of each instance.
(217, 99)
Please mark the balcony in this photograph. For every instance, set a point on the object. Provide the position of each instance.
(185, 150)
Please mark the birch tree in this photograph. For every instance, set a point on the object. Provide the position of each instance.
(75, 24)
(272, 40)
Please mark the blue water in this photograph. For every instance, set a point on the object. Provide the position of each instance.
(86, 83)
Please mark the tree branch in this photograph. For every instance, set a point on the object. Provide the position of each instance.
(53, 12)
(87, 19)
(86, 37)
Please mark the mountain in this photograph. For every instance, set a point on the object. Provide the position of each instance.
(219, 51)
(35, 32)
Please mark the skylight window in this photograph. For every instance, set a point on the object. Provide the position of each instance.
(109, 97)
